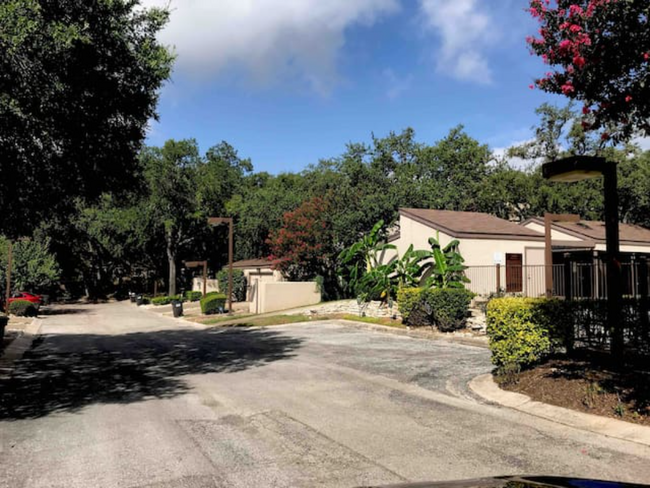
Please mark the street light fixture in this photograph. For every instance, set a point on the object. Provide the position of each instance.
(214, 221)
(578, 168)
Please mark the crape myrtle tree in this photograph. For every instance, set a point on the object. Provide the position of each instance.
(599, 51)
(79, 81)
(302, 248)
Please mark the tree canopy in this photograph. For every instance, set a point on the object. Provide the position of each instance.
(600, 52)
(79, 82)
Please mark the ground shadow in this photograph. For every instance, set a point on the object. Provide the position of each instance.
(49, 311)
(64, 373)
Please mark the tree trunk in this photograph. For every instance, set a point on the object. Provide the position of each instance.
(171, 259)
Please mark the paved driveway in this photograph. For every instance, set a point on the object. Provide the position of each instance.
(114, 396)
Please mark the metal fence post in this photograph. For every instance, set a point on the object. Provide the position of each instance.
(498, 268)
(644, 299)
(567, 277)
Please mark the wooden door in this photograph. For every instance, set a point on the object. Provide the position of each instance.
(514, 273)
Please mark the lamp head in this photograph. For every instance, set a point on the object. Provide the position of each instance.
(575, 168)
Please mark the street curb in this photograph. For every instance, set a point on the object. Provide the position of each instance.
(18, 347)
(485, 387)
(415, 334)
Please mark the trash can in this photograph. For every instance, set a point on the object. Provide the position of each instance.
(139, 300)
(132, 296)
(177, 308)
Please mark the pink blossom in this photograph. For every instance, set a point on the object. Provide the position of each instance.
(579, 61)
(532, 87)
(567, 88)
(586, 110)
(575, 10)
(646, 56)
(575, 28)
(628, 99)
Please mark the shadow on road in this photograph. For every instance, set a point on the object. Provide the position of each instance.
(68, 372)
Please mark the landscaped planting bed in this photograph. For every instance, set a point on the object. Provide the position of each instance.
(588, 385)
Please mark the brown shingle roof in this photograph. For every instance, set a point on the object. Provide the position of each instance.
(471, 225)
(251, 263)
(595, 230)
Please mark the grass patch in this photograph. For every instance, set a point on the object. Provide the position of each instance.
(263, 321)
(373, 320)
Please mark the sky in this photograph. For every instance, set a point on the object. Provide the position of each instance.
(290, 82)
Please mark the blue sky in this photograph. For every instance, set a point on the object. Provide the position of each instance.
(289, 82)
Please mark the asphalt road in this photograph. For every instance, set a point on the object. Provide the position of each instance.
(114, 396)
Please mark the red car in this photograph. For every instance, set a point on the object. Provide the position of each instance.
(30, 297)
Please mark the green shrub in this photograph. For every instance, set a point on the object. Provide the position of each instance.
(445, 308)
(23, 308)
(410, 305)
(449, 307)
(238, 284)
(193, 296)
(212, 303)
(165, 300)
(518, 331)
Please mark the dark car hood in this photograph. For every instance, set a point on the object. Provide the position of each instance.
(520, 482)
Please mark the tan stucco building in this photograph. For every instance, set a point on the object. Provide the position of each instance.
(506, 255)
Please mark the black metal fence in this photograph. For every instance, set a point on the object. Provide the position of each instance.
(580, 280)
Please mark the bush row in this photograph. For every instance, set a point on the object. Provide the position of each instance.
(23, 308)
(444, 308)
(213, 302)
(166, 300)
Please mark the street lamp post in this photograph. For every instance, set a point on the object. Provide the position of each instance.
(10, 253)
(226, 220)
(578, 168)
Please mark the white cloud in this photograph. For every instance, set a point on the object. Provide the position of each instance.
(270, 40)
(465, 30)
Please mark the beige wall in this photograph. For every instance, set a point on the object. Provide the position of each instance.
(273, 296)
(211, 285)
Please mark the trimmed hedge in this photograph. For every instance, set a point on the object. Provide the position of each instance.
(165, 300)
(444, 308)
(213, 303)
(524, 331)
(238, 284)
(193, 296)
(23, 308)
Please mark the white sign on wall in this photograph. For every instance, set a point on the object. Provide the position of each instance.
(498, 258)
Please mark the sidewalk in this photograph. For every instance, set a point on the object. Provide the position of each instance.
(485, 387)
(18, 346)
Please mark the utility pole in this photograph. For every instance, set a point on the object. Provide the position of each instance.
(10, 255)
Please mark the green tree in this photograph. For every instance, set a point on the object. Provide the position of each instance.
(34, 267)
(79, 82)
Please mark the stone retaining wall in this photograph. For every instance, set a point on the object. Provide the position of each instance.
(351, 307)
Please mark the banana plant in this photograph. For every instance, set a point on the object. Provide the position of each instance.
(363, 256)
(408, 269)
(447, 268)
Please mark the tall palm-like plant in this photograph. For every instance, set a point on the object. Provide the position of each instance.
(408, 269)
(447, 268)
(364, 256)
